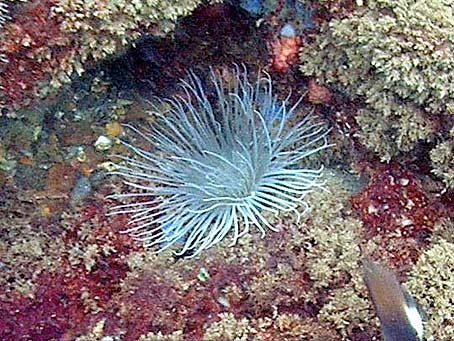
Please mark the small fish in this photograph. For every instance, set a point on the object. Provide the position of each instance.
(400, 317)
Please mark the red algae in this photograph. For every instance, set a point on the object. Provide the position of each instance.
(154, 302)
(71, 297)
(58, 309)
(394, 202)
(318, 94)
(396, 208)
(33, 45)
(205, 297)
(146, 306)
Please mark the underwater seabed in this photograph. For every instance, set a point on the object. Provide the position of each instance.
(303, 283)
(73, 75)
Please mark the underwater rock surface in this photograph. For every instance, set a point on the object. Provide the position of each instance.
(76, 72)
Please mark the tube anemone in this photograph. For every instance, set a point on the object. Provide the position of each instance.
(215, 166)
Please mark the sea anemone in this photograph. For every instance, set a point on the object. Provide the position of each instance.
(216, 164)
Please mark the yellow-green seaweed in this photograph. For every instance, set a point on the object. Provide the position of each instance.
(432, 284)
(396, 56)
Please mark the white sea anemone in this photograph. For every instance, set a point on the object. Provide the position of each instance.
(215, 166)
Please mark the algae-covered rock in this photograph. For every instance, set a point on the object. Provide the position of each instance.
(229, 328)
(395, 57)
(103, 28)
(432, 284)
(46, 43)
(333, 255)
(442, 157)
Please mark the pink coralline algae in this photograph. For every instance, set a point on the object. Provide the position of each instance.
(394, 202)
(33, 45)
(395, 207)
(68, 299)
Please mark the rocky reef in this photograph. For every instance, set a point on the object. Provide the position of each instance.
(75, 72)
(394, 59)
(49, 42)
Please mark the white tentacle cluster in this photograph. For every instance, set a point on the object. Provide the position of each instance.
(216, 165)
